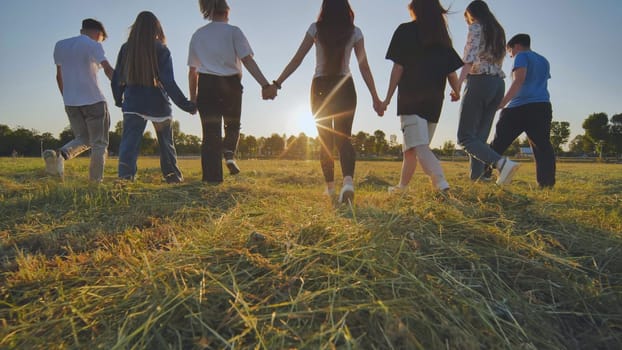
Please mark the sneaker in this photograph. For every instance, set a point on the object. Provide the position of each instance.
(173, 179)
(347, 194)
(330, 192)
(507, 171)
(233, 167)
(487, 175)
(49, 156)
(396, 189)
(60, 165)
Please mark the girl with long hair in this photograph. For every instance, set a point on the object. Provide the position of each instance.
(142, 83)
(216, 55)
(423, 61)
(483, 57)
(333, 96)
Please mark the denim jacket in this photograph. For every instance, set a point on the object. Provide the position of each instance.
(149, 100)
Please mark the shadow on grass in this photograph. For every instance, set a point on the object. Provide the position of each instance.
(540, 279)
(58, 220)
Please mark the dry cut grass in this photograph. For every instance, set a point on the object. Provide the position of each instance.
(265, 261)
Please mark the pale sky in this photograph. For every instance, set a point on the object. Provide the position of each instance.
(577, 36)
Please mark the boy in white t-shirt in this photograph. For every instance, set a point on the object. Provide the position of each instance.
(78, 59)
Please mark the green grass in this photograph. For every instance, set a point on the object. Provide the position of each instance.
(266, 261)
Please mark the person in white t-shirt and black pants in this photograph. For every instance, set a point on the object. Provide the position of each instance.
(78, 59)
(217, 52)
(333, 97)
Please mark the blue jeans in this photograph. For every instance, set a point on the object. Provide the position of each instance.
(481, 98)
(133, 129)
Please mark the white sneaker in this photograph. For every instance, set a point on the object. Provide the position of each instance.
(49, 156)
(233, 167)
(329, 192)
(507, 171)
(396, 189)
(347, 194)
(60, 165)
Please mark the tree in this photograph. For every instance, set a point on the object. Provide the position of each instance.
(148, 145)
(66, 135)
(596, 128)
(274, 146)
(560, 133)
(114, 138)
(380, 142)
(370, 145)
(297, 147)
(359, 143)
(616, 134)
(448, 148)
(6, 148)
(580, 145)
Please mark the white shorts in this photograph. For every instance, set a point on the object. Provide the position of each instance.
(417, 131)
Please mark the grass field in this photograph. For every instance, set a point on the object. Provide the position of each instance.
(266, 261)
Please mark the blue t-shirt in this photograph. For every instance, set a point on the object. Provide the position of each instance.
(534, 88)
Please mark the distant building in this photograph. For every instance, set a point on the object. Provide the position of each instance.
(525, 152)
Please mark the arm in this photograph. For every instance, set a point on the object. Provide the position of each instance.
(193, 83)
(108, 70)
(452, 78)
(463, 74)
(396, 75)
(268, 91)
(59, 79)
(470, 52)
(361, 55)
(116, 83)
(295, 62)
(167, 79)
(518, 79)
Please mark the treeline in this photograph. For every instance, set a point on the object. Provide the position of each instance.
(30, 143)
(603, 137)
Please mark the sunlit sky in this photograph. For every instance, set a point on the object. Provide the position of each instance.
(578, 38)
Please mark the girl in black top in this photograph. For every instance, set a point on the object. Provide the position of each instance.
(423, 60)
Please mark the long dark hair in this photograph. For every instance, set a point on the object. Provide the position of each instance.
(494, 35)
(335, 26)
(141, 60)
(431, 17)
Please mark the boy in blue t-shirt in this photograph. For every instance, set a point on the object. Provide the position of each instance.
(528, 108)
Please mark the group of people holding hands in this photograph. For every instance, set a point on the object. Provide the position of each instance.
(423, 57)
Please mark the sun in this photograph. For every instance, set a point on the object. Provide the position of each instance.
(302, 121)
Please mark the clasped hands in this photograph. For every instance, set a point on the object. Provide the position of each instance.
(269, 92)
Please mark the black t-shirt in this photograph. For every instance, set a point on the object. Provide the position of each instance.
(421, 89)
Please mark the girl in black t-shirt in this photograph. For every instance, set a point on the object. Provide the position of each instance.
(423, 60)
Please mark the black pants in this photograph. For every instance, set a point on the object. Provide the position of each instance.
(333, 102)
(535, 120)
(219, 101)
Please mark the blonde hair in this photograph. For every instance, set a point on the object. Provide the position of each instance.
(209, 8)
(141, 61)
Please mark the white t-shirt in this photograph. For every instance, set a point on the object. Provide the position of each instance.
(80, 59)
(217, 48)
(320, 62)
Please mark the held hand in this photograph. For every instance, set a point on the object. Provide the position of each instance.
(379, 107)
(269, 92)
(455, 96)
